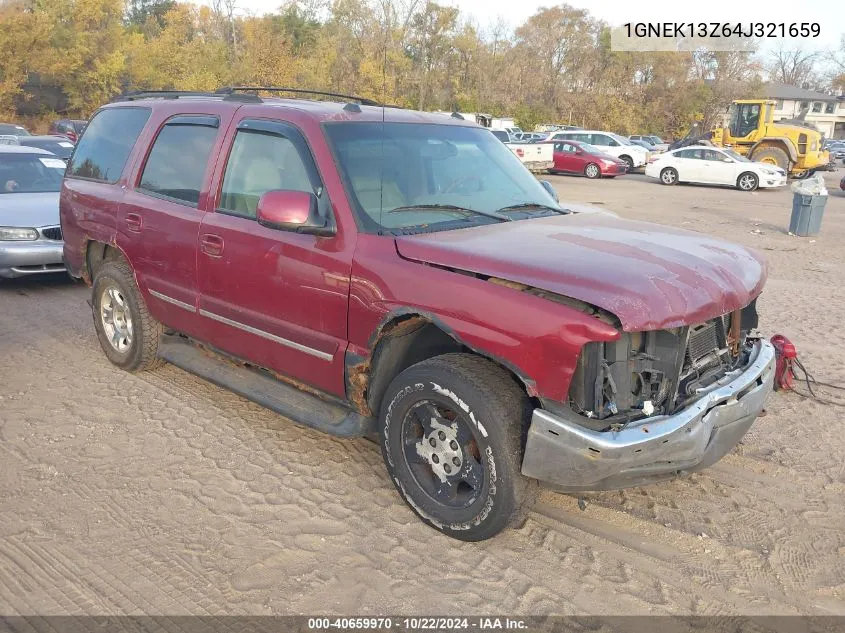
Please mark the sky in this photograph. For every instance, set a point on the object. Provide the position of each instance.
(830, 15)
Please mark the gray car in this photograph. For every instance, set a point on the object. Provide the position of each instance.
(30, 235)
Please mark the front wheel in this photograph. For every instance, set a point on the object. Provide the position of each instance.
(747, 182)
(451, 437)
(629, 161)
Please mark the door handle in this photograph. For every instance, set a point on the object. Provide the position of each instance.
(134, 222)
(211, 244)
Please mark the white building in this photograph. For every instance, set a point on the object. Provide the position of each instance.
(826, 112)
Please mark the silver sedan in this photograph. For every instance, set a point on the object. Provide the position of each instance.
(30, 235)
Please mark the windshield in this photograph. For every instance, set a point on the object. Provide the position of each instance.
(655, 140)
(737, 157)
(620, 139)
(590, 149)
(14, 130)
(398, 174)
(30, 173)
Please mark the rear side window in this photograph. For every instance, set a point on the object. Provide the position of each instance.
(176, 165)
(104, 149)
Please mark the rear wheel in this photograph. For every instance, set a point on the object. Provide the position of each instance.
(128, 334)
(592, 171)
(669, 176)
(747, 181)
(771, 156)
(451, 437)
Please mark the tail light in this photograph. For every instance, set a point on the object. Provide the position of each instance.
(520, 152)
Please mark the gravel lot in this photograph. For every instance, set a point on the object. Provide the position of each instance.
(159, 493)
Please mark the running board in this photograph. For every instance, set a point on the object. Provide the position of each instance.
(255, 385)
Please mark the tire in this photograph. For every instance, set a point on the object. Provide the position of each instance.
(137, 338)
(472, 415)
(772, 156)
(592, 171)
(669, 176)
(747, 181)
(628, 160)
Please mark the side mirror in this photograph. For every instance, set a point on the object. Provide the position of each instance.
(551, 190)
(577, 151)
(291, 211)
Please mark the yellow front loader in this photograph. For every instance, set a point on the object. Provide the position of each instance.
(793, 145)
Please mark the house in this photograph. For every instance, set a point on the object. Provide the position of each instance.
(825, 111)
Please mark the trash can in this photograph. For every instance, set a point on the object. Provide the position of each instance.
(808, 200)
(807, 212)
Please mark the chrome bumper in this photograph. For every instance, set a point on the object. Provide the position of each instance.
(571, 457)
(18, 259)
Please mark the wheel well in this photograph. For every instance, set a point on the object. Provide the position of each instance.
(96, 254)
(402, 342)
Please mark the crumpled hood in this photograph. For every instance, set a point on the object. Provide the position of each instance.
(651, 277)
(29, 209)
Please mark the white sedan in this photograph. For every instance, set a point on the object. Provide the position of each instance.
(713, 166)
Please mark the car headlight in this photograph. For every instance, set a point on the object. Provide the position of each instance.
(15, 234)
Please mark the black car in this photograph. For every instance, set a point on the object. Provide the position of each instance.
(12, 129)
(58, 145)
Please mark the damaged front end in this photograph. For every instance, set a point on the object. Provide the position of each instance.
(646, 373)
(652, 405)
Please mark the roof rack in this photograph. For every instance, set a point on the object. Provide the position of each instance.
(233, 89)
(178, 94)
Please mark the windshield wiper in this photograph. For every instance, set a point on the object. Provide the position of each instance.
(532, 205)
(451, 207)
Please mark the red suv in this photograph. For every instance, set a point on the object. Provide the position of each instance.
(373, 271)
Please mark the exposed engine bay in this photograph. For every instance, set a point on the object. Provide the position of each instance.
(659, 372)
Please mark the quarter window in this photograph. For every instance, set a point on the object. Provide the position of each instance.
(260, 162)
(177, 162)
(105, 147)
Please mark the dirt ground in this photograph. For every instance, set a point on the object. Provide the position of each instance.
(159, 493)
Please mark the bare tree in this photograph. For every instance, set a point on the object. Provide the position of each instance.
(794, 67)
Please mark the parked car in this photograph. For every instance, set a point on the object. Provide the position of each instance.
(501, 135)
(416, 282)
(842, 184)
(13, 129)
(30, 236)
(837, 150)
(646, 145)
(574, 157)
(658, 143)
(714, 166)
(71, 128)
(609, 143)
(58, 145)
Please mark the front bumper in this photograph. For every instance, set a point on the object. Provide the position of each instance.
(772, 181)
(572, 457)
(18, 259)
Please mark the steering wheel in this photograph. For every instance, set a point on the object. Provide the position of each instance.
(458, 184)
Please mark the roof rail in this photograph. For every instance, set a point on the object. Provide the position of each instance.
(177, 94)
(361, 100)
